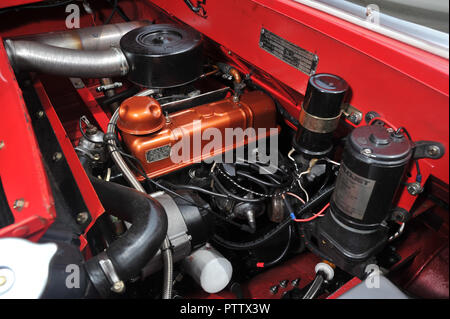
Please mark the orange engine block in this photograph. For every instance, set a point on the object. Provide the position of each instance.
(154, 138)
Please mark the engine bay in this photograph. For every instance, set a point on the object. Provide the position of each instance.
(174, 168)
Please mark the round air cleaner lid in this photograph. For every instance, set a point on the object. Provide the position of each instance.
(163, 55)
(140, 115)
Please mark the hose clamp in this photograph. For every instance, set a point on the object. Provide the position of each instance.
(318, 124)
(107, 267)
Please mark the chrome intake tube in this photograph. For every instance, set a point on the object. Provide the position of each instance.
(97, 38)
(87, 52)
(34, 56)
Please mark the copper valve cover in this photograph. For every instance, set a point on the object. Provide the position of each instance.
(138, 116)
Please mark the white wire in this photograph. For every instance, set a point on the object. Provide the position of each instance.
(300, 184)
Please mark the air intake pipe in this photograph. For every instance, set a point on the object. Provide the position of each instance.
(88, 53)
(34, 56)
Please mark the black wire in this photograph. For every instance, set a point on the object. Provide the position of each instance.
(284, 252)
(141, 171)
(108, 20)
(313, 202)
(419, 174)
(196, 188)
(122, 14)
(233, 196)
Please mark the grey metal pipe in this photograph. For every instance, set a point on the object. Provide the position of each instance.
(38, 57)
(92, 38)
(132, 180)
(91, 52)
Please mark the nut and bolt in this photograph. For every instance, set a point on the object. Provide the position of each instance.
(284, 283)
(295, 282)
(96, 157)
(40, 114)
(82, 218)
(19, 204)
(414, 188)
(366, 151)
(118, 287)
(355, 118)
(57, 156)
(433, 151)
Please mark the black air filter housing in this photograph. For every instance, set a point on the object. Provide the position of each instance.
(163, 55)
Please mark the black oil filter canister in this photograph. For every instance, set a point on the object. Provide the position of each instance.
(320, 114)
(354, 228)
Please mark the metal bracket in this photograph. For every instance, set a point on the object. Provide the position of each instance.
(352, 114)
(107, 267)
(428, 149)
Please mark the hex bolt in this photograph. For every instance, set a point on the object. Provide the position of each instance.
(414, 188)
(82, 218)
(19, 204)
(433, 150)
(366, 151)
(40, 114)
(354, 118)
(295, 282)
(57, 156)
(284, 283)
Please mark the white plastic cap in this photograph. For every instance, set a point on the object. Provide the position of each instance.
(209, 269)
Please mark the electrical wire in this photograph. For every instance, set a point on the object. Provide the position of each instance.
(419, 174)
(382, 119)
(283, 253)
(301, 186)
(85, 135)
(315, 200)
(296, 196)
(108, 20)
(141, 171)
(320, 213)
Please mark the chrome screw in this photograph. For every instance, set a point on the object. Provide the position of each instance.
(82, 217)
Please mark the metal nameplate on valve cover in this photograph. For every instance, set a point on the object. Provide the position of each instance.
(288, 52)
(157, 154)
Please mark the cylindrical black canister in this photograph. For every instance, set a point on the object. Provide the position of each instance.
(320, 114)
(372, 167)
(163, 55)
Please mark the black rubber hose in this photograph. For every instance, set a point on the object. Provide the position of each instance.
(133, 250)
(313, 203)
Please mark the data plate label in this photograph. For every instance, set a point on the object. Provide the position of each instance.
(158, 154)
(288, 52)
